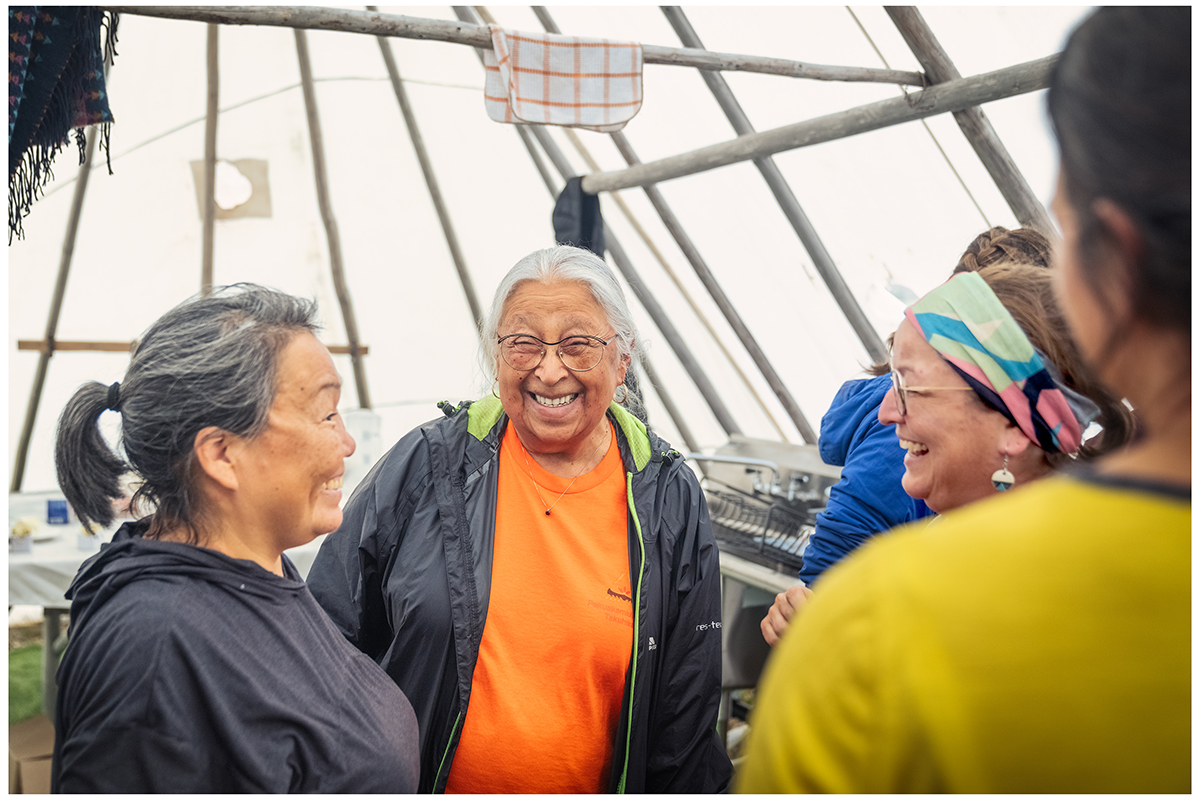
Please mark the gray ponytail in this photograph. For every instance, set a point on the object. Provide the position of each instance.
(78, 441)
(207, 362)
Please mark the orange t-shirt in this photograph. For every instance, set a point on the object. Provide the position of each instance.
(548, 685)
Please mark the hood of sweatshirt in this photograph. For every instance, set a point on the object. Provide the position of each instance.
(851, 417)
(129, 557)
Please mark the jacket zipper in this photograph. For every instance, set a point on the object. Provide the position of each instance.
(437, 778)
(637, 615)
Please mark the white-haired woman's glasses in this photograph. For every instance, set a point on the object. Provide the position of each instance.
(523, 352)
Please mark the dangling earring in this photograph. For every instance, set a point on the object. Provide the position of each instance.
(495, 386)
(621, 394)
(1002, 479)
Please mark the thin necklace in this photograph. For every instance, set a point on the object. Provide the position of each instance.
(525, 453)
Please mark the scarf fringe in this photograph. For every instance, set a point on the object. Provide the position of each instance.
(28, 178)
(27, 182)
(108, 29)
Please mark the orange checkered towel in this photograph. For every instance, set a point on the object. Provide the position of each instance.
(549, 79)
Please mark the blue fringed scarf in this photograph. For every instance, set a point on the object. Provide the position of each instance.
(55, 83)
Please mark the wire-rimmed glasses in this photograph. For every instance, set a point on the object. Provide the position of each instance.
(902, 390)
(523, 352)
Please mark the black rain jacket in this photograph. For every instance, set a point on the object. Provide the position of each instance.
(192, 672)
(406, 579)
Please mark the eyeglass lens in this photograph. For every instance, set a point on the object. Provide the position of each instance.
(578, 353)
(901, 394)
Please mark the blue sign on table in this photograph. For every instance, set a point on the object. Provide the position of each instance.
(56, 512)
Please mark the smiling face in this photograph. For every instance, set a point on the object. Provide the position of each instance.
(555, 411)
(290, 482)
(954, 441)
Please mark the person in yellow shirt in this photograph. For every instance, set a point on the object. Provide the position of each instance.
(1039, 641)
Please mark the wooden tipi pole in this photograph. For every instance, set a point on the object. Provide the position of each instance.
(56, 301)
(435, 192)
(395, 25)
(973, 122)
(210, 162)
(790, 206)
(331, 229)
(941, 99)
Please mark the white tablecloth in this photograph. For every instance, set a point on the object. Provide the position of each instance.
(42, 577)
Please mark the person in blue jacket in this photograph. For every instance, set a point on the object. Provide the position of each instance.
(869, 497)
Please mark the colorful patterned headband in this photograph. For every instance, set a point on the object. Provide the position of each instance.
(972, 330)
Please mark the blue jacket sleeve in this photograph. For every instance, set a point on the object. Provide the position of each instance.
(869, 497)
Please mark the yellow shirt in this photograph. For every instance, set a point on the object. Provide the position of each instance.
(1037, 642)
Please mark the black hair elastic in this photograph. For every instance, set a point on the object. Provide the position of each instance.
(114, 397)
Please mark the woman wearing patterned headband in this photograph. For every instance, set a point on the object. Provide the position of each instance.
(869, 497)
(976, 403)
(998, 331)
(1039, 641)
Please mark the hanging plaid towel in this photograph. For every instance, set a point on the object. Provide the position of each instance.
(548, 79)
(55, 83)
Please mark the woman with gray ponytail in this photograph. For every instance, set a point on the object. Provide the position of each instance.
(198, 660)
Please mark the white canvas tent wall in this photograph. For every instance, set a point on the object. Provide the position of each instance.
(886, 204)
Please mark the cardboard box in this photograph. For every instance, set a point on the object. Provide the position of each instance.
(30, 746)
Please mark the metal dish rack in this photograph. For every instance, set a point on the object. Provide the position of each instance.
(768, 533)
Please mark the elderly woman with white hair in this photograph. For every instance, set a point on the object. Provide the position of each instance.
(536, 571)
